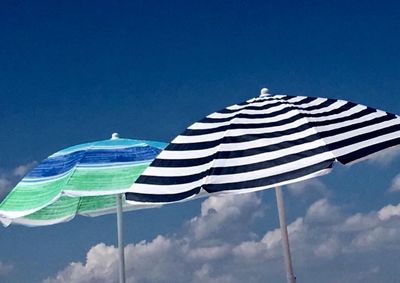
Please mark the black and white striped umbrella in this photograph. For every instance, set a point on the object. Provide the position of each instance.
(267, 141)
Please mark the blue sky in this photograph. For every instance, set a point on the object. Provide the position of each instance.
(73, 71)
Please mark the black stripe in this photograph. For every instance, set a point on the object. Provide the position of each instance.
(227, 111)
(357, 115)
(268, 148)
(361, 153)
(235, 126)
(356, 126)
(171, 180)
(253, 107)
(339, 110)
(174, 180)
(268, 181)
(235, 139)
(211, 144)
(246, 137)
(363, 137)
(158, 162)
(161, 198)
(268, 163)
(288, 108)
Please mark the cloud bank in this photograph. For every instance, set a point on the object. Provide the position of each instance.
(220, 246)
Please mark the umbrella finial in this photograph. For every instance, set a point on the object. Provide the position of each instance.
(115, 136)
(264, 92)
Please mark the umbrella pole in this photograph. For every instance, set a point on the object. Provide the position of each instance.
(120, 240)
(285, 239)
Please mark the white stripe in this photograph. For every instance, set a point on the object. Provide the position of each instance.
(174, 189)
(353, 110)
(105, 166)
(282, 105)
(202, 126)
(269, 172)
(218, 115)
(93, 192)
(354, 147)
(165, 189)
(238, 132)
(296, 99)
(190, 154)
(266, 141)
(284, 183)
(350, 122)
(291, 113)
(266, 156)
(361, 131)
(177, 171)
(239, 161)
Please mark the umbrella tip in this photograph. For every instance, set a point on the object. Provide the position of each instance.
(264, 92)
(115, 136)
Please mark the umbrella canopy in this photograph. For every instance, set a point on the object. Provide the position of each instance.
(81, 179)
(267, 141)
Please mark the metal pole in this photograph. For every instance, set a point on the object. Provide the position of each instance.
(120, 240)
(285, 239)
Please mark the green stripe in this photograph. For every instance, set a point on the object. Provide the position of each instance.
(91, 204)
(26, 196)
(104, 179)
(64, 206)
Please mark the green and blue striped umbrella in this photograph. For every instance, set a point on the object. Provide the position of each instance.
(82, 179)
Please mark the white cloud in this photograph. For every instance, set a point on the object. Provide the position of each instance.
(322, 211)
(377, 238)
(324, 237)
(328, 248)
(9, 178)
(175, 259)
(389, 211)
(229, 214)
(385, 157)
(21, 170)
(311, 186)
(359, 222)
(5, 269)
(395, 187)
(101, 264)
(5, 185)
(270, 244)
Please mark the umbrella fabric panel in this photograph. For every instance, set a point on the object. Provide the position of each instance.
(96, 168)
(66, 208)
(265, 142)
(28, 197)
(93, 205)
(54, 166)
(102, 180)
(63, 210)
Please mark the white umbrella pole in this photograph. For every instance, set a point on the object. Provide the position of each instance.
(120, 240)
(285, 239)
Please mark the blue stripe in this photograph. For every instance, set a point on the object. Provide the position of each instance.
(56, 165)
(132, 154)
(59, 164)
